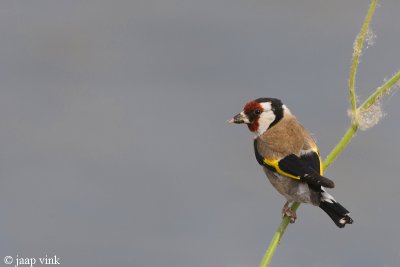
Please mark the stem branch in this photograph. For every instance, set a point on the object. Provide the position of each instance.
(380, 92)
(358, 44)
(351, 130)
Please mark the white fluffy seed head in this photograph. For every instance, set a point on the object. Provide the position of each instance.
(370, 37)
(369, 117)
(369, 40)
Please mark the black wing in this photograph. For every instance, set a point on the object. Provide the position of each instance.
(306, 168)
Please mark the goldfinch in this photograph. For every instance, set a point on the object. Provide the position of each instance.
(289, 157)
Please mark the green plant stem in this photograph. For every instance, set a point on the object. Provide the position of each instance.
(277, 238)
(372, 99)
(327, 162)
(357, 52)
(380, 91)
(340, 146)
(285, 221)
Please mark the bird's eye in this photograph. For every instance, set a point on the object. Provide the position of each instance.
(257, 112)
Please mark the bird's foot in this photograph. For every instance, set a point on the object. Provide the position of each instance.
(287, 211)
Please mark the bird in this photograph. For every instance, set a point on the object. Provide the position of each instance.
(290, 158)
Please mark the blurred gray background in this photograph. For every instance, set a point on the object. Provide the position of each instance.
(115, 149)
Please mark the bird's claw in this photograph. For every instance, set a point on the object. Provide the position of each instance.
(287, 211)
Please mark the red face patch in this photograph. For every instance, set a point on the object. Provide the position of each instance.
(249, 109)
(251, 106)
(253, 126)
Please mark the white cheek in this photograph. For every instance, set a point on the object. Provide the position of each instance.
(286, 111)
(265, 120)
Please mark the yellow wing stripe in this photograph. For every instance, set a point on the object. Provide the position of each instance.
(274, 163)
(321, 166)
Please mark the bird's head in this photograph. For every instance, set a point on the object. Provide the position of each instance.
(261, 114)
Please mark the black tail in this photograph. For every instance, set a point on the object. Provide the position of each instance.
(337, 212)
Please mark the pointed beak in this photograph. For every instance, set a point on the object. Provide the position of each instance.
(239, 118)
